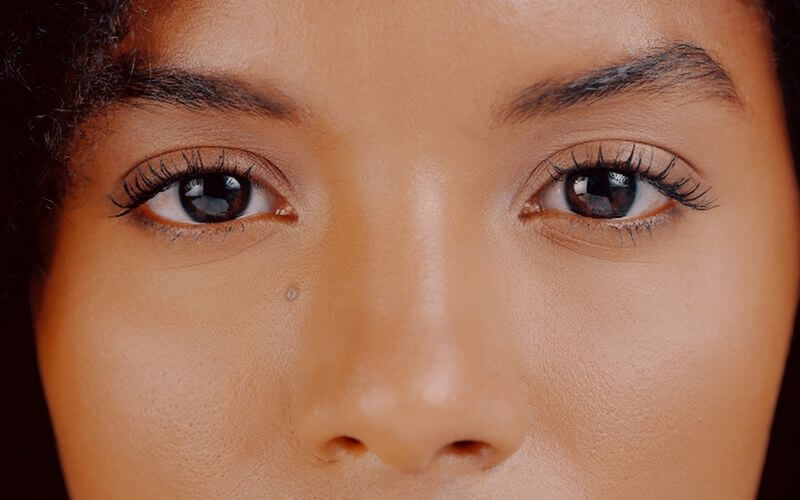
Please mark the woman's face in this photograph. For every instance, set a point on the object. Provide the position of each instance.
(469, 249)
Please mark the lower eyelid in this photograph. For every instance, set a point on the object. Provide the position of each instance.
(588, 235)
(262, 224)
(169, 247)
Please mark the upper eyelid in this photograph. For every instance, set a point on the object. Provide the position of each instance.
(142, 172)
(616, 157)
(192, 149)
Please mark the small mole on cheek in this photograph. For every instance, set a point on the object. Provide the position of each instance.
(292, 293)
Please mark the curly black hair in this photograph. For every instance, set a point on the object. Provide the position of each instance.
(56, 67)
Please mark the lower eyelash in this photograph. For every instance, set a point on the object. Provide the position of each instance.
(577, 232)
(175, 233)
(632, 229)
(213, 235)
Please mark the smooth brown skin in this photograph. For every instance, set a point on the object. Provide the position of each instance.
(426, 312)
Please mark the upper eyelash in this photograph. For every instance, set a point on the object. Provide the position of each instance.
(686, 191)
(149, 180)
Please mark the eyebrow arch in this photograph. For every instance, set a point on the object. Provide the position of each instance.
(675, 67)
(204, 92)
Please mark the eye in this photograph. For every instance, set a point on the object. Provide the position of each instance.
(602, 193)
(204, 186)
(211, 198)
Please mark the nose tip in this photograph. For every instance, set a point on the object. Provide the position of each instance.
(459, 455)
(418, 439)
(462, 454)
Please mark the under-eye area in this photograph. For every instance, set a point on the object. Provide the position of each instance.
(202, 190)
(610, 193)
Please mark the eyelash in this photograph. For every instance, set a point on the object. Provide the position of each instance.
(665, 172)
(147, 180)
(687, 191)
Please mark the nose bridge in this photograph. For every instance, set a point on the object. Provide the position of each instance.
(391, 229)
(404, 259)
(409, 241)
(395, 357)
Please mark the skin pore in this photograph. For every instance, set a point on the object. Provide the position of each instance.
(413, 311)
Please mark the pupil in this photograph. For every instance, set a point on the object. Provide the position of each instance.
(214, 197)
(600, 193)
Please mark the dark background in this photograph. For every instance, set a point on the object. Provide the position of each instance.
(33, 471)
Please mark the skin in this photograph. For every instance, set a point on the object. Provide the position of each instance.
(409, 307)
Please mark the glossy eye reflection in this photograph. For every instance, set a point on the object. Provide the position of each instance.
(602, 194)
(598, 193)
(211, 198)
(214, 198)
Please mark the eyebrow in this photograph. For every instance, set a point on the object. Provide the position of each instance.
(676, 67)
(668, 69)
(204, 92)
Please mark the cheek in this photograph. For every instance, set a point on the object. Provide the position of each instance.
(161, 378)
(643, 372)
(639, 394)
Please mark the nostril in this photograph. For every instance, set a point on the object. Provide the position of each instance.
(344, 445)
(465, 447)
(470, 450)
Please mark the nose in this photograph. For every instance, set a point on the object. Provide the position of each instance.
(430, 407)
(405, 357)
(414, 409)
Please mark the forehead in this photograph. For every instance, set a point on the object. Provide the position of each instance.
(554, 28)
